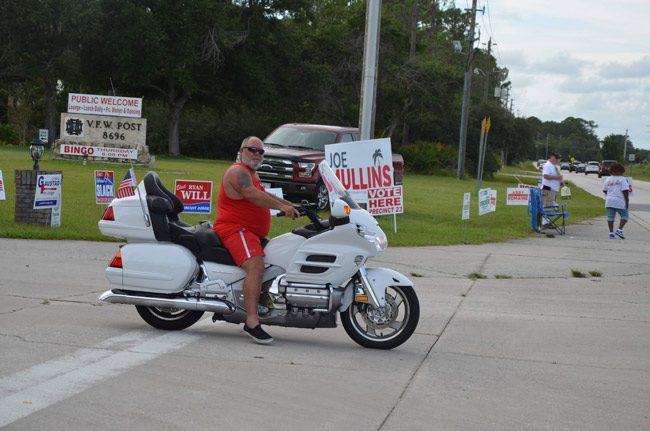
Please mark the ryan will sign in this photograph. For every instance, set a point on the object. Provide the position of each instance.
(195, 195)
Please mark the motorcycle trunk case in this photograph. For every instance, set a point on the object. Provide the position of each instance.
(153, 267)
(129, 221)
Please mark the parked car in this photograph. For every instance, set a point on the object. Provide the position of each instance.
(604, 167)
(540, 163)
(564, 166)
(592, 167)
(291, 158)
(573, 165)
(579, 167)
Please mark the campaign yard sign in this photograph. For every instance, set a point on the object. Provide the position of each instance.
(466, 199)
(276, 191)
(483, 201)
(362, 165)
(104, 187)
(195, 195)
(493, 200)
(2, 188)
(517, 196)
(387, 200)
(48, 191)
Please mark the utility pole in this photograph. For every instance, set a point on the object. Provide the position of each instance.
(467, 85)
(487, 74)
(370, 59)
(625, 146)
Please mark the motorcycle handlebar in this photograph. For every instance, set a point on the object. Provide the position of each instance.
(307, 210)
(301, 212)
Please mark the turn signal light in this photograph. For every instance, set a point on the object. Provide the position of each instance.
(361, 298)
(109, 214)
(347, 209)
(117, 260)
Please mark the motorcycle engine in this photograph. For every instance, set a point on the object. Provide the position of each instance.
(306, 296)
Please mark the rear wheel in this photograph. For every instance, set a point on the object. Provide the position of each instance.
(171, 319)
(386, 327)
(322, 197)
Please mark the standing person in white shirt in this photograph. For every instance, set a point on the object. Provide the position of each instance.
(551, 179)
(617, 190)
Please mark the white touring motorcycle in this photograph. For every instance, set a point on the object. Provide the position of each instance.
(173, 272)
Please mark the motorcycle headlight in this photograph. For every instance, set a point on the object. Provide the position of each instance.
(377, 238)
(381, 241)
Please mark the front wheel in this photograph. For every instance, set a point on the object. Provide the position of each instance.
(171, 319)
(386, 327)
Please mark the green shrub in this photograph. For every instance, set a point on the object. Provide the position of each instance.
(490, 166)
(8, 134)
(429, 158)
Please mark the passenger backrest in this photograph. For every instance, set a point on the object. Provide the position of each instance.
(163, 206)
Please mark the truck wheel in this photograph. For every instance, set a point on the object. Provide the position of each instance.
(322, 197)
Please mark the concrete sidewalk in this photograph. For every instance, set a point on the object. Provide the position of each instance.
(531, 346)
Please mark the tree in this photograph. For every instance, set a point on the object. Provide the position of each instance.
(612, 148)
(161, 47)
(41, 43)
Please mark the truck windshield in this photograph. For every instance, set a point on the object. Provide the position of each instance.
(301, 138)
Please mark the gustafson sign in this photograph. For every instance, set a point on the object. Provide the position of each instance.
(105, 105)
(99, 129)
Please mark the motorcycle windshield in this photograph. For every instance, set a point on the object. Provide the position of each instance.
(334, 186)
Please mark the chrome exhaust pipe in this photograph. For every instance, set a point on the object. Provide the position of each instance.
(211, 305)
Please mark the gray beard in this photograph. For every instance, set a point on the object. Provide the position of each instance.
(251, 165)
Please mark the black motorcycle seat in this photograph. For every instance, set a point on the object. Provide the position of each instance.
(201, 240)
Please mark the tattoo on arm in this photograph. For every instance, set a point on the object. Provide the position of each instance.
(244, 180)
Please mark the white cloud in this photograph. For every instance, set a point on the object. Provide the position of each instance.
(581, 58)
(560, 64)
(636, 69)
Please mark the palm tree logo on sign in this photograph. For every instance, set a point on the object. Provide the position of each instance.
(376, 156)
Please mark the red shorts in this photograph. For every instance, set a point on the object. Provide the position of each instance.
(242, 245)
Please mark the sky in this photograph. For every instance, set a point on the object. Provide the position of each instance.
(588, 59)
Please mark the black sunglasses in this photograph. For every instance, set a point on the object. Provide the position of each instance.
(255, 150)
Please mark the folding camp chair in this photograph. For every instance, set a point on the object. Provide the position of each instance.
(555, 215)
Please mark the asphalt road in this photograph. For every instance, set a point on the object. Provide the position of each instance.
(527, 347)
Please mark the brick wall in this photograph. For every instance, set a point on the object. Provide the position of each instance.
(25, 181)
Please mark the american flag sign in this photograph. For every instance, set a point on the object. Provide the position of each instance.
(127, 185)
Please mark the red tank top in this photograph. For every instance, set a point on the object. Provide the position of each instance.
(236, 214)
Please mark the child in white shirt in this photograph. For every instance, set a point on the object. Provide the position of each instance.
(617, 190)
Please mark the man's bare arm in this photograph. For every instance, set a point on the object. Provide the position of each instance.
(242, 185)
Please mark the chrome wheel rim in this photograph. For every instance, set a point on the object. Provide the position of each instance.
(385, 323)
